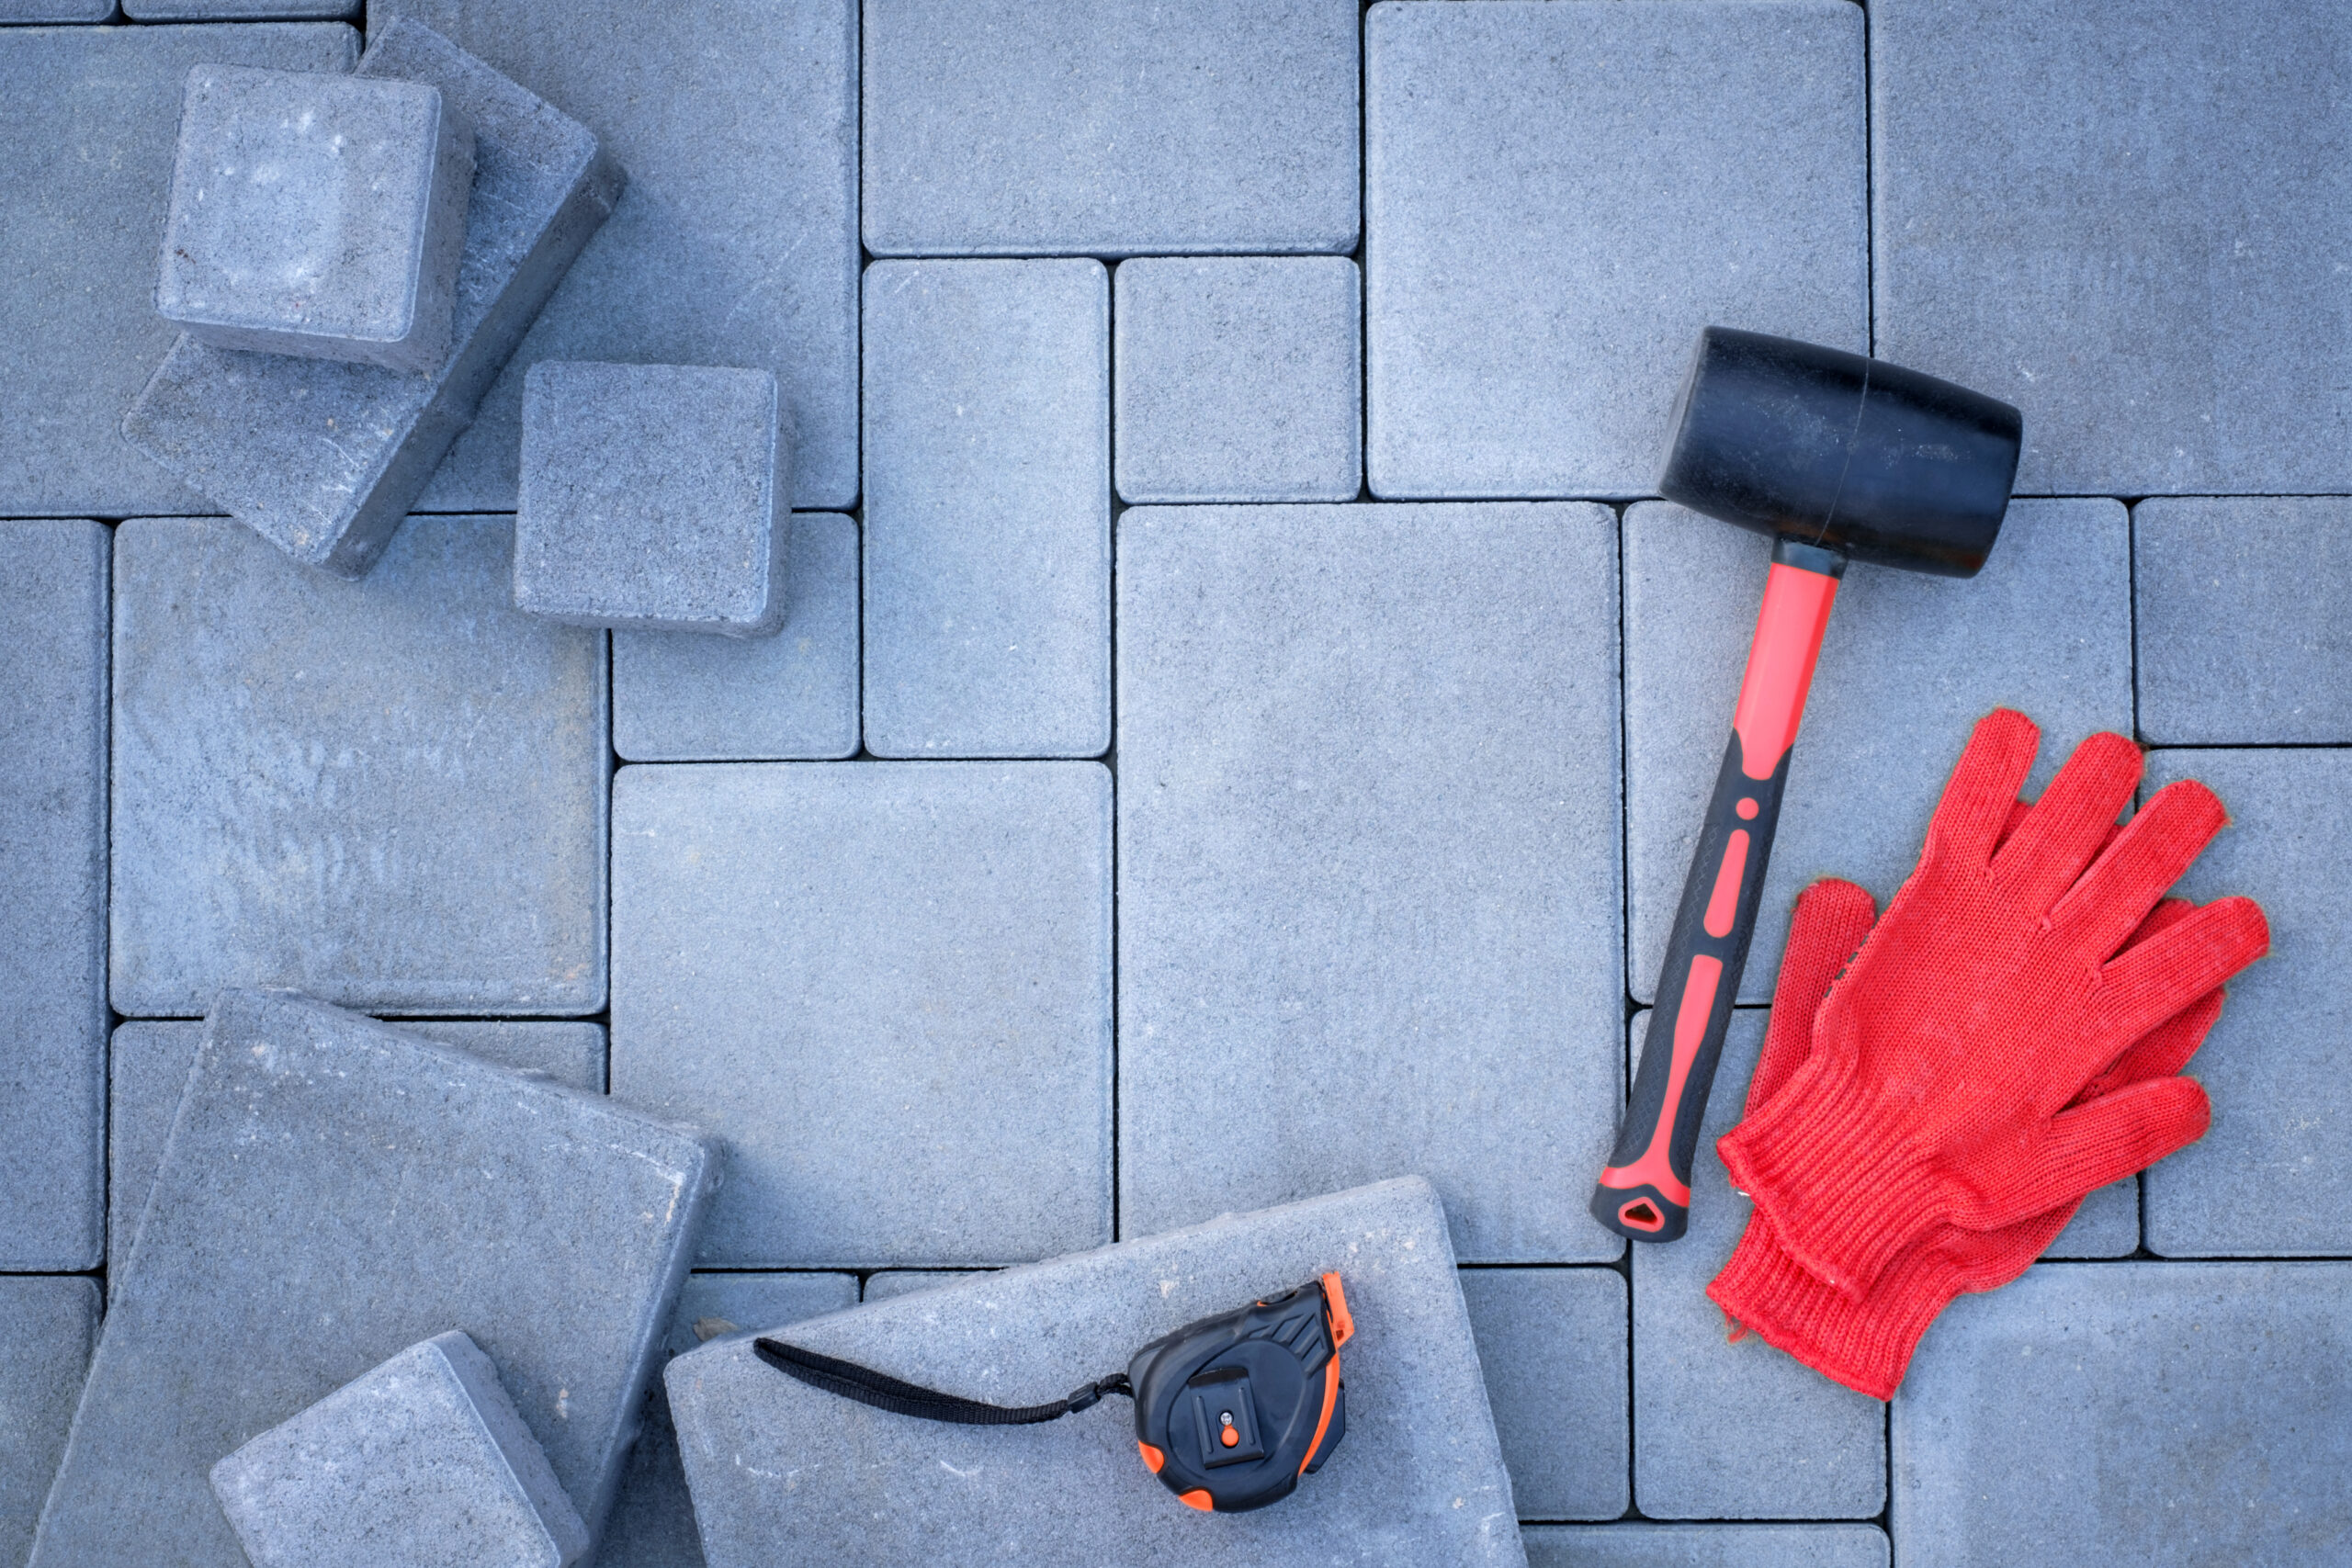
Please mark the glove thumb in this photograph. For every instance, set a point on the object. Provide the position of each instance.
(1829, 922)
(2099, 1142)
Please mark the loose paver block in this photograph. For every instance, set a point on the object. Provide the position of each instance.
(888, 988)
(90, 118)
(1705, 1546)
(683, 699)
(2241, 629)
(1560, 197)
(52, 1323)
(423, 1460)
(1370, 910)
(2123, 219)
(389, 793)
(2269, 1176)
(1909, 665)
(238, 10)
(335, 1189)
(323, 458)
(317, 214)
(890, 1282)
(52, 893)
(1418, 1480)
(2156, 1413)
(993, 128)
(737, 242)
(1239, 378)
(987, 509)
(1553, 1344)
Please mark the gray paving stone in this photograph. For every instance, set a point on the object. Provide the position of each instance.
(1560, 197)
(2123, 219)
(238, 10)
(1418, 1480)
(1705, 1546)
(317, 214)
(993, 127)
(1239, 378)
(890, 1282)
(422, 1460)
(888, 988)
(389, 793)
(737, 241)
(680, 699)
(333, 1191)
(14, 12)
(2156, 1413)
(1368, 831)
(1909, 665)
(52, 893)
(324, 459)
(2269, 1177)
(52, 1323)
(90, 116)
(988, 497)
(1552, 1342)
(655, 497)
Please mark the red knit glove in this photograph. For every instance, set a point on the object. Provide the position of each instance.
(1985, 1000)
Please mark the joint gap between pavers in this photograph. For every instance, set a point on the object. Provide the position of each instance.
(1870, 204)
(2131, 625)
(2247, 745)
(1114, 509)
(2133, 500)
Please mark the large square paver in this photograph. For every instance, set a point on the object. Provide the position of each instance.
(1369, 899)
(1909, 665)
(52, 1325)
(1705, 1546)
(887, 987)
(1553, 1342)
(90, 116)
(1109, 129)
(2126, 219)
(1560, 197)
(389, 793)
(2154, 1413)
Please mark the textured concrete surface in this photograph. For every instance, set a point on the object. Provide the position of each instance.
(52, 1327)
(1552, 1342)
(1705, 1546)
(886, 1283)
(29, 11)
(240, 10)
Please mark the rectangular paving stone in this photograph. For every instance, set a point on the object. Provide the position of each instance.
(1559, 196)
(25, 11)
(335, 1191)
(238, 10)
(91, 118)
(1553, 1344)
(2124, 219)
(1705, 1546)
(888, 1283)
(2156, 1413)
(1370, 902)
(1417, 1479)
(1909, 665)
(52, 1325)
(888, 988)
(988, 497)
(390, 792)
(994, 127)
(737, 241)
(53, 892)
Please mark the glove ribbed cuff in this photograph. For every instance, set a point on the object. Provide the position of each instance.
(1864, 1346)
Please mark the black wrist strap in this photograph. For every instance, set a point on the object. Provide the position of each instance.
(884, 1392)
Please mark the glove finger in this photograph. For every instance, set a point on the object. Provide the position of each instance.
(2163, 1051)
(2154, 848)
(1984, 786)
(2063, 831)
(1829, 922)
(2094, 1144)
(2145, 985)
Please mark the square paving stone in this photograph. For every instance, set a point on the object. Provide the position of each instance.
(994, 127)
(2125, 219)
(987, 509)
(2156, 1414)
(52, 1323)
(1552, 1342)
(1370, 907)
(335, 1189)
(2269, 1177)
(1705, 1546)
(1909, 665)
(91, 118)
(1417, 1479)
(888, 988)
(53, 892)
(2242, 636)
(1239, 378)
(1560, 197)
(737, 241)
(390, 792)
(890, 1282)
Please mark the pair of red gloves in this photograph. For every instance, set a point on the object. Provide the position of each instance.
(2006, 1039)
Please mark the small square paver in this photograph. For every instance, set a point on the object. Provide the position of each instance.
(1553, 1342)
(1417, 1480)
(1239, 378)
(888, 987)
(53, 1326)
(655, 498)
(1705, 1546)
(1560, 197)
(1126, 127)
(317, 214)
(1368, 832)
(389, 793)
(883, 1285)
(987, 509)
(2156, 1414)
